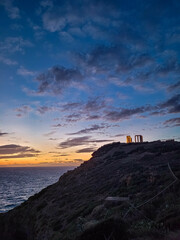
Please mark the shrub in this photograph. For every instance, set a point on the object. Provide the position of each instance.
(109, 229)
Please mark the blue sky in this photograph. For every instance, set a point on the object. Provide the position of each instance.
(75, 75)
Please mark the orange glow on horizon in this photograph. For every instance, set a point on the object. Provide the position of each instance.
(46, 159)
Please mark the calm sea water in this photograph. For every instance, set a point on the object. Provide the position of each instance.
(18, 184)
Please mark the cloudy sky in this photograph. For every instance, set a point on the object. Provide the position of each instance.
(75, 75)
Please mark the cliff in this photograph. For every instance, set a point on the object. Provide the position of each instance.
(125, 191)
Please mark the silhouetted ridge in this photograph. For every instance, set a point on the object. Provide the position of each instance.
(132, 190)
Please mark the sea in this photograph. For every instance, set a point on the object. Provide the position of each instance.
(19, 183)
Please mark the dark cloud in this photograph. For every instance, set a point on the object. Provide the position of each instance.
(125, 113)
(73, 142)
(52, 139)
(118, 58)
(44, 109)
(78, 160)
(121, 135)
(124, 66)
(93, 128)
(90, 109)
(23, 110)
(94, 105)
(57, 78)
(19, 156)
(172, 104)
(125, 57)
(104, 57)
(125, 53)
(15, 149)
(49, 133)
(173, 122)
(86, 150)
(120, 65)
(74, 117)
(69, 161)
(158, 113)
(57, 125)
(175, 86)
(87, 109)
(111, 20)
(78, 111)
(70, 106)
(59, 154)
(93, 117)
(171, 65)
(3, 133)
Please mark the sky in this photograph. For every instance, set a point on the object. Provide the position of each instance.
(75, 75)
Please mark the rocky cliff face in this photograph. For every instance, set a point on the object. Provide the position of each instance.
(141, 178)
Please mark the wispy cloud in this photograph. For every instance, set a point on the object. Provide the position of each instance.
(53, 139)
(73, 142)
(93, 117)
(120, 135)
(23, 110)
(22, 155)
(7, 61)
(57, 125)
(86, 150)
(46, 3)
(93, 128)
(25, 72)
(74, 117)
(44, 109)
(3, 133)
(12, 45)
(12, 11)
(57, 78)
(70, 106)
(16, 149)
(125, 57)
(172, 104)
(118, 58)
(125, 113)
(9, 47)
(173, 122)
(64, 162)
(87, 109)
(171, 65)
(79, 160)
(93, 105)
(175, 86)
(49, 133)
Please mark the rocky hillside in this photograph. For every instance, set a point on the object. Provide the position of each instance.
(125, 191)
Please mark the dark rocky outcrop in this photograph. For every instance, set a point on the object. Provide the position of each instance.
(147, 174)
